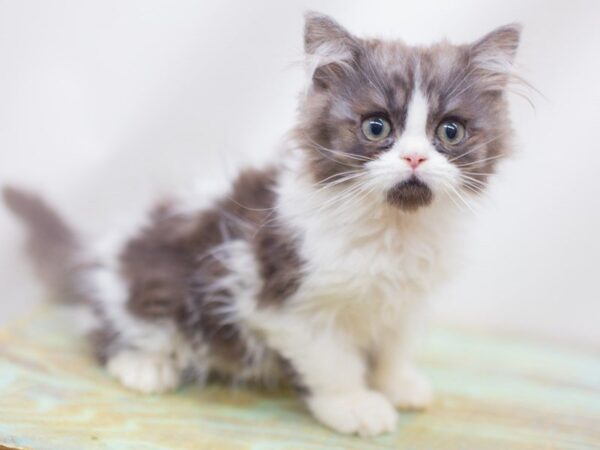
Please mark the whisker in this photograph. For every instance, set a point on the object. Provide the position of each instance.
(319, 147)
(473, 180)
(471, 183)
(486, 174)
(336, 175)
(473, 187)
(338, 182)
(477, 147)
(360, 158)
(335, 160)
(467, 204)
(451, 197)
(479, 161)
(464, 76)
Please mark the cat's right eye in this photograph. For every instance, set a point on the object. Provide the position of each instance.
(376, 128)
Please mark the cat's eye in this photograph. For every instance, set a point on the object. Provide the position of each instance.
(450, 132)
(376, 128)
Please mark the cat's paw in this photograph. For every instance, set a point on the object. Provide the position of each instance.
(144, 372)
(366, 413)
(409, 390)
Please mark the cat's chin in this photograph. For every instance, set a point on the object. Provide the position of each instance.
(410, 195)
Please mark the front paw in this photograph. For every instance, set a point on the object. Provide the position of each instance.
(363, 412)
(144, 372)
(409, 390)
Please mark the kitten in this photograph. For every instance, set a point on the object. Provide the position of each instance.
(313, 270)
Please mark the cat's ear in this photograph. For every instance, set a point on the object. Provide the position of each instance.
(330, 49)
(321, 30)
(495, 54)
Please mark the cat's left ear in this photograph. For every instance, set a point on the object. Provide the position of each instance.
(495, 53)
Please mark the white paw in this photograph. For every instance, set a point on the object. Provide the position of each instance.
(366, 413)
(144, 372)
(409, 390)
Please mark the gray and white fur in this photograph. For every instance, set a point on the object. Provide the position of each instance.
(315, 269)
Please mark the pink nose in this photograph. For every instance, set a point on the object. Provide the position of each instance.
(414, 160)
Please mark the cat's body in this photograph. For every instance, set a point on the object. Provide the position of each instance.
(313, 270)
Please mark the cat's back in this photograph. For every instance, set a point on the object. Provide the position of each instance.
(179, 250)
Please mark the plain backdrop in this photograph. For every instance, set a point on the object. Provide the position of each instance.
(105, 104)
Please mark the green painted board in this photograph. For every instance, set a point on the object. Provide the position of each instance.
(493, 392)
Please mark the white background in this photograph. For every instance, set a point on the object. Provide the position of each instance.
(104, 104)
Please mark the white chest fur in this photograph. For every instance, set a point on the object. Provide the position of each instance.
(365, 262)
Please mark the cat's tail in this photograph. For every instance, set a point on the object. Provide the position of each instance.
(54, 247)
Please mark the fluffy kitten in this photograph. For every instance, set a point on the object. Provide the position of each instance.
(314, 269)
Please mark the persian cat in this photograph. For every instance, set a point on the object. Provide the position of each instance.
(314, 269)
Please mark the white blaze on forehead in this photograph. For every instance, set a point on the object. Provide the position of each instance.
(415, 127)
(416, 117)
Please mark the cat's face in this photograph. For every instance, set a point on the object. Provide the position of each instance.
(409, 125)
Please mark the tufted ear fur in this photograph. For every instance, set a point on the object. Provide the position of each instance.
(330, 49)
(494, 55)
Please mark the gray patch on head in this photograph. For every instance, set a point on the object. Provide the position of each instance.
(329, 129)
(468, 82)
(460, 81)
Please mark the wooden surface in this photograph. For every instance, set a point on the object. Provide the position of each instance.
(493, 393)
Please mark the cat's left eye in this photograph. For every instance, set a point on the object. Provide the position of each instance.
(450, 132)
(376, 128)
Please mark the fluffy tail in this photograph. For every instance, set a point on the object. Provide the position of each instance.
(54, 247)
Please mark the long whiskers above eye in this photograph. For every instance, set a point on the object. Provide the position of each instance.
(460, 80)
(522, 88)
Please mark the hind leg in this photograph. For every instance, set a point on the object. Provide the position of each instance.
(145, 355)
(149, 358)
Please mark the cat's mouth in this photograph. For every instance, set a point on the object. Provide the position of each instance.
(410, 194)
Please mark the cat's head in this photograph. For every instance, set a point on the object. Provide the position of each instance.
(407, 124)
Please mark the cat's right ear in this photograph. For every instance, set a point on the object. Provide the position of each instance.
(493, 56)
(330, 49)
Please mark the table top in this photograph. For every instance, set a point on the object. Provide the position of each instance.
(493, 392)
